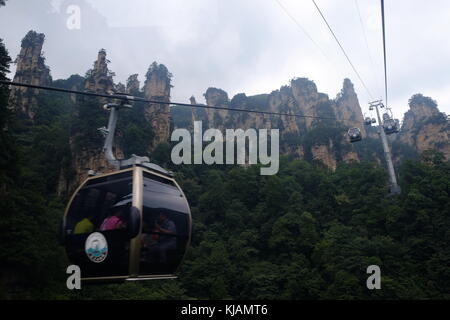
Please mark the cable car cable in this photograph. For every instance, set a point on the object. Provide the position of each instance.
(342, 48)
(367, 46)
(307, 35)
(138, 99)
(384, 52)
(299, 26)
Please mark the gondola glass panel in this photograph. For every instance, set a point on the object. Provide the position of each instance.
(166, 226)
(96, 235)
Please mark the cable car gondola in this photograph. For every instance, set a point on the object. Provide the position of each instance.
(354, 134)
(368, 121)
(390, 125)
(131, 224)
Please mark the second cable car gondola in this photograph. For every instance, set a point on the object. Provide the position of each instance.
(354, 134)
(131, 224)
(390, 125)
(368, 121)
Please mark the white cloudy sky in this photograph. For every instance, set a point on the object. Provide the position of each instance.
(249, 46)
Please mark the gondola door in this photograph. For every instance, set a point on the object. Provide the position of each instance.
(101, 224)
(166, 226)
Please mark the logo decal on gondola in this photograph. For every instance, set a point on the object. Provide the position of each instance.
(96, 247)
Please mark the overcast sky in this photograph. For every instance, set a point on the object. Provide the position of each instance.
(250, 46)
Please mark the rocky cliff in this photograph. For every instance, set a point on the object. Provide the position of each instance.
(98, 79)
(424, 127)
(30, 69)
(157, 87)
(301, 97)
(347, 109)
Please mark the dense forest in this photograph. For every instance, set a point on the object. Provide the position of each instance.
(306, 233)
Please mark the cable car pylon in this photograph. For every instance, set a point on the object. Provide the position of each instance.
(109, 133)
(395, 188)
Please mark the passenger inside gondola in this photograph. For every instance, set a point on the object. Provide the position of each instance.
(114, 221)
(85, 225)
(161, 240)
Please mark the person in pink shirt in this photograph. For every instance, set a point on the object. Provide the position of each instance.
(113, 221)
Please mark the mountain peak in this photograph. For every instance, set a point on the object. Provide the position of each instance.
(157, 87)
(422, 107)
(347, 91)
(30, 69)
(216, 97)
(100, 78)
(424, 127)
